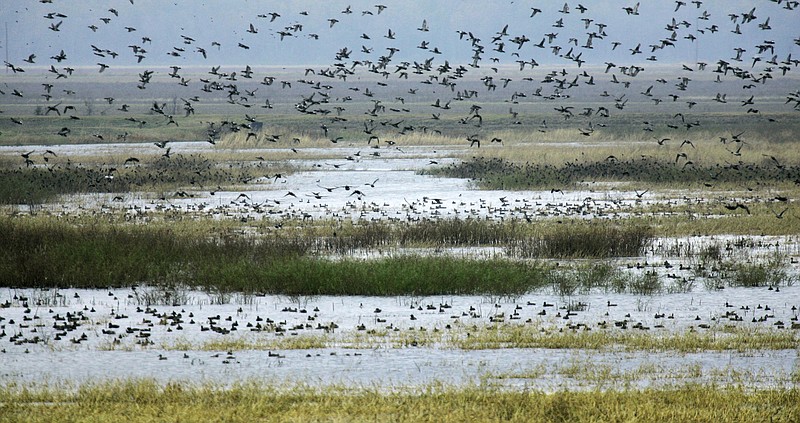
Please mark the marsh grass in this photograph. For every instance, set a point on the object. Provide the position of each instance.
(528, 140)
(714, 339)
(349, 237)
(461, 232)
(558, 147)
(170, 293)
(258, 343)
(507, 335)
(684, 219)
(647, 283)
(36, 185)
(44, 253)
(223, 257)
(497, 173)
(147, 400)
(772, 272)
(594, 239)
(416, 275)
(735, 264)
(605, 376)
(590, 373)
(47, 297)
(584, 278)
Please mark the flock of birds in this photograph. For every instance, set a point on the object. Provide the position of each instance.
(123, 319)
(690, 24)
(435, 88)
(401, 96)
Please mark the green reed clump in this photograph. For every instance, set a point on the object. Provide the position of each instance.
(426, 232)
(599, 239)
(564, 283)
(647, 283)
(402, 275)
(773, 272)
(44, 253)
(593, 276)
(583, 278)
(52, 254)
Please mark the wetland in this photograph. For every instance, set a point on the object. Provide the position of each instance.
(408, 234)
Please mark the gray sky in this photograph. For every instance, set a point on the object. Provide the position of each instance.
(227, 22)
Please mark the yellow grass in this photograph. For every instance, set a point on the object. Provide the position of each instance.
(147, 401)
(598, 336)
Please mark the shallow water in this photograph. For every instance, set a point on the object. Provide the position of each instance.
(357, 185)
(65, 360)
(387, 187)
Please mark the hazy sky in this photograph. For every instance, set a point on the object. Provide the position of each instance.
(315, 40)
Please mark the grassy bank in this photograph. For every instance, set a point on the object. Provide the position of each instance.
(146, 401)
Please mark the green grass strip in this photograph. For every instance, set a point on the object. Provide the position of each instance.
(51, 254)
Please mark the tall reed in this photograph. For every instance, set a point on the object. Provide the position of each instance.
(596, 239)
(46, 253)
